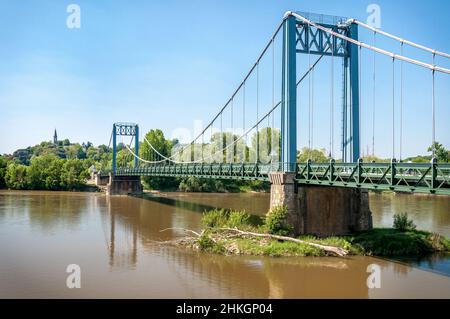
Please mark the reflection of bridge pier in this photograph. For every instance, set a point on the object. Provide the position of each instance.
(116, 253)
(266, 277)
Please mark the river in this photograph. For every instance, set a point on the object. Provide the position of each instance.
(116, 243)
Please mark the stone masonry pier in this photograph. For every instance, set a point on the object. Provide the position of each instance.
(322, 211)
(123, 185)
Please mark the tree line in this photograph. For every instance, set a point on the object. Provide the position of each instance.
(48, 166)
(67, 166)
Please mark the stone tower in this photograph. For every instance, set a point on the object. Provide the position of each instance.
(55, 138)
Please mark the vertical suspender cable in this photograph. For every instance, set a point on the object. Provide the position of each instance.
(344, 109)
(359, 97)
(393, 107)
(221, 137)
(244, 156)
(433, 143)
(272, 138)
(203, 142)
(211, 147)
(232, 131)
(257, 113)
(309, 93)
(332, 99)
(401, 106)
(374, 93)
(312, 108)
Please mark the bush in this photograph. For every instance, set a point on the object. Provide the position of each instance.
(218, 218)
(3, 167)
(16, 176)
(402, 223)
(275, 221)
(215, 218)
(393, 242)
(238, 219)
(205, 243)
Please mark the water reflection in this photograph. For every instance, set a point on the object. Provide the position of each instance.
(438, 263)
(429, 212)
(253, 277)
(116, 242)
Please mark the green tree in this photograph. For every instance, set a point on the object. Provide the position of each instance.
(269, 146)
(158, 141)
(16, 176)
(315, 155)
(441, 153)
(194, 184)
(73, 174)
(224, 148)
(75, 151)
(45, 172)
(124, 158)
(156, 138)
(22, 156)
(3, 167)
(372, 158)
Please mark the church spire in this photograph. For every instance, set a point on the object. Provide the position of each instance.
(55, 138)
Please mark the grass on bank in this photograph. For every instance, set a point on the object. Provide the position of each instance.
(402, 240)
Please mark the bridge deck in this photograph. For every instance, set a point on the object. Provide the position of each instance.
(399, 177)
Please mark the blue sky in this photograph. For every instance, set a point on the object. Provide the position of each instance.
(165, 64)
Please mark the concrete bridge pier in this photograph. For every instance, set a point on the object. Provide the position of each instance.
(123, 185)
(101, 180)
(322, 211)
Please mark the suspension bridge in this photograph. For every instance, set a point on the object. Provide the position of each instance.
(260, 140)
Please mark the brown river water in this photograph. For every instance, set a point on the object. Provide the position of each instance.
(115, 243)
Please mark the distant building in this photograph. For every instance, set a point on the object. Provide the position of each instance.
(55, 138)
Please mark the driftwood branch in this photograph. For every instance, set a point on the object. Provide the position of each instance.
(183, 229)
(331, 249)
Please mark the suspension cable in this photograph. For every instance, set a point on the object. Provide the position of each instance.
(110, 139)
(241, 84)
(360, 44)
(369, 47)
(170, 159)
(403, 41)
(309, 70)
(213, 154)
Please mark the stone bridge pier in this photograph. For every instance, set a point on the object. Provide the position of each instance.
(123, 185)
(322, 211)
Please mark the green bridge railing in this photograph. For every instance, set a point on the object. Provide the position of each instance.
(431, 178)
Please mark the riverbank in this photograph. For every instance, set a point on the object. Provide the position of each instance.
(237, 233)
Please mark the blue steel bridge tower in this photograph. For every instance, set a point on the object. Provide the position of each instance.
(300, 37)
